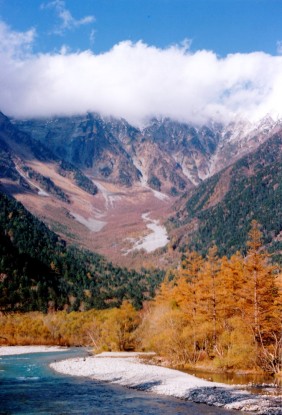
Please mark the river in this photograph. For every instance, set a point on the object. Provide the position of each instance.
(28, 386)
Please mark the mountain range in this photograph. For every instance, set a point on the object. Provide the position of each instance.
(91, 179)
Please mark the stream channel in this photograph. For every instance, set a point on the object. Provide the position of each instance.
(28, 386)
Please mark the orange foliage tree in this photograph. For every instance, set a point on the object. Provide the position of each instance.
(224, 311)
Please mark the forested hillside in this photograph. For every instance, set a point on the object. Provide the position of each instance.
(38, 271)
(221, 209)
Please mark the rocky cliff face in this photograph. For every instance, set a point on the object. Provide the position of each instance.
(167, 156)
(18, 149)
(87, 142)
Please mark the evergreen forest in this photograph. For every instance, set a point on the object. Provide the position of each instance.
(222, 207)
(39, 272)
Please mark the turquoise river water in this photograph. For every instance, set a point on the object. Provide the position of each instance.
(28, 386)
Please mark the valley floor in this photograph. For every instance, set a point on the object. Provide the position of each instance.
(126, 225)
(132, 372)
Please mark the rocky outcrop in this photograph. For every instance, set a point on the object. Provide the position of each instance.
(167, 156)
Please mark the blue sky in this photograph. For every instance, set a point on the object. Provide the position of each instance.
(190, 60)
(223, 26)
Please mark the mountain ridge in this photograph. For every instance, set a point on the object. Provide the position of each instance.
(102, 174)
(112, 149)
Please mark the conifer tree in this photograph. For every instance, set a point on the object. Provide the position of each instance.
(259, 289)
(231, 277)
(187, 296)
(262, 302)
(209, 287)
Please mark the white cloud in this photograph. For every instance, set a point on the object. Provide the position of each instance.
(137, 81)
(15, 43)
(65, 16)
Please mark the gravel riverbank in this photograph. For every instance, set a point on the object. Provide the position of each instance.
(133, 373)
(13, 350)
